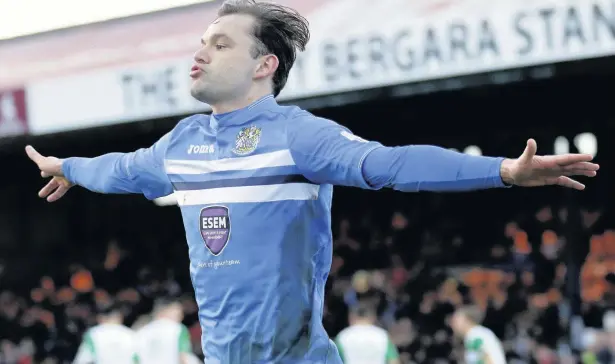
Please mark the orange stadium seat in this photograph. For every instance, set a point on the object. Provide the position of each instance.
(521, 243)
(609, 243)
(596, 246)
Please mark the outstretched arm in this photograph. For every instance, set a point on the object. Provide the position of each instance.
(422, 167)
(326, 152)
(141, 171)
(430, 168)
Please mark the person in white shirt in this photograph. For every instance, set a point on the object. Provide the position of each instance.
(481, 345)
(109, 342)
(165, 340)
(363, 342)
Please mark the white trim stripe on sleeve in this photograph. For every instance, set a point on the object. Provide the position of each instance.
(278, 158)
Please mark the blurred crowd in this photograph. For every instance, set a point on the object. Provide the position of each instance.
(45, 324)
(414, 276)
(521, 287)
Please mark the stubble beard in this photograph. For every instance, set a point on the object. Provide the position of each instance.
(204, 92)
(200, 92)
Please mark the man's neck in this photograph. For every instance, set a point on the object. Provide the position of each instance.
(469, 328)
(164, 316)
(232, 105)
(112, 322)
(362, 322)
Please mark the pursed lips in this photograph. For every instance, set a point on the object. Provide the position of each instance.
(196, 71)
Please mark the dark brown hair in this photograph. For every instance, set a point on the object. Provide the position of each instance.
(278, 30)
(363, 309)
(472, 313)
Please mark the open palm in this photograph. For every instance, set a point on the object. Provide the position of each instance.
(531, 170)
(50, 167)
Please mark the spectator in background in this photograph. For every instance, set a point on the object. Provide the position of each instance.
(165, 340)
(8, 352)
(351, 342)
(404, 336)
(110, 342)
(481, 345)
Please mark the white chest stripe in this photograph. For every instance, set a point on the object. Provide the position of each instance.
(280, 158)
(267, 193)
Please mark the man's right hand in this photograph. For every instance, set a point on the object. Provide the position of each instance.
(50, 167)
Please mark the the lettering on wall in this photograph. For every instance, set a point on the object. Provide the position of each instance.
(539, 35)
(158, 91)
(563, 28)
(147, 90)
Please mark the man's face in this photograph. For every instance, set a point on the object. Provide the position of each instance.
(178, 312)
(225, 68)
(457, 322)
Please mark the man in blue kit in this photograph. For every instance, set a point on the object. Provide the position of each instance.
(254, 182)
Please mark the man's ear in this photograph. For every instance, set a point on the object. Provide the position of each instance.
(267, 66)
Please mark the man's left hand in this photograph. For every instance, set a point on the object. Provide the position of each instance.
(531, 170)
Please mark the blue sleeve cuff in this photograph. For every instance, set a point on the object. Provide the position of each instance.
(499, 183)
(67, 169)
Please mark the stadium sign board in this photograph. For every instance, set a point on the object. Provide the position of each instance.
(394, 43)
(458, 38)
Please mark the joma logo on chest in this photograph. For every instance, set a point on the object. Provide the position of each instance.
(200, 149)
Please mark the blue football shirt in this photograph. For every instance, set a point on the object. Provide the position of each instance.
(255, 188)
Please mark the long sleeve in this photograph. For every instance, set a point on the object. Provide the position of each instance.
(326, 152)
(429, 168)
(141, 171)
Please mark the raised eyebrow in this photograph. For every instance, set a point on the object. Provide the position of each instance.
(217, 36)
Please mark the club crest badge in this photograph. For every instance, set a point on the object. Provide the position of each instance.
(247, 140)
(215, 226)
